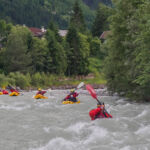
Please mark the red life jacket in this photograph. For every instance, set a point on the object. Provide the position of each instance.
(72, 95)
(14, 90)
(41, 92)
(98, 113)
(5, 92)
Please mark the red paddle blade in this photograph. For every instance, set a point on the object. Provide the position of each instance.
(91, 91)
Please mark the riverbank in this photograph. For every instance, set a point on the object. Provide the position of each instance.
(95, 86)
(46, 81)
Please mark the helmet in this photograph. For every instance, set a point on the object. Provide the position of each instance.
(39, 89)
(72, 90)
(3, 87)
(100, 105)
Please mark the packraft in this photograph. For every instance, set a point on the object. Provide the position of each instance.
(70, 102)
(14, 94)
(40, 96)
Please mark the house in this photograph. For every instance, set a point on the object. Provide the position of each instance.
(104, 35)
(63, 33)
(37, 32)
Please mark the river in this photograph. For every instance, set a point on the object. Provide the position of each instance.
(30, 124)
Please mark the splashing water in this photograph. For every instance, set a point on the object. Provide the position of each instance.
(30, 124)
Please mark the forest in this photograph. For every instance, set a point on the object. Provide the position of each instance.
(38, 13)
(122, 58)
(27, 60)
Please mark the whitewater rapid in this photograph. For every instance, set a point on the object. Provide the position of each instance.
(30, 124)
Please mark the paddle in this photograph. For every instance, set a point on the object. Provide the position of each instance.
(78, 87)
(92, 92)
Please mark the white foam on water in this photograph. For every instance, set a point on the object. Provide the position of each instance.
(42, 103)
(120, 100)
(96, 133)
(77, 128)
(17, 108)
(51, 96)
(46, 129)
(144, 112)
(25, 126)
(135, 147)
(41, 130)
(144, 130)
(58, 144)
(126, 148)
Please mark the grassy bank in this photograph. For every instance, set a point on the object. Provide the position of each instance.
(27, 81)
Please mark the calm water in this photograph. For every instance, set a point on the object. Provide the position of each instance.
(29, 124)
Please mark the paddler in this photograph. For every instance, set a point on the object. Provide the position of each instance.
(72, 96)
(99, 112)
(40, 91)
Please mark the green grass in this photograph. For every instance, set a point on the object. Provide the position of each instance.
(73, 81)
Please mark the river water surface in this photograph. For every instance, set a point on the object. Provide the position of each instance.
(29, 124)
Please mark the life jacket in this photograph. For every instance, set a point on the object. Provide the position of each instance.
(14, 90)
(5, 92)
(98, 113)
(41, 92)
(72, 97)
(74, 94)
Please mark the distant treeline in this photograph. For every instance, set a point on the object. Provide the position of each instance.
(37, 13)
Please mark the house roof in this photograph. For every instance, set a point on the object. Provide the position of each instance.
(105, 34)
(37, 32)
(63, 32)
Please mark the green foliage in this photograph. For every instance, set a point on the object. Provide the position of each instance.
(78, 53)
(77, 18)
(127, 65)
(38, 52)
(56, 57)
(39, 12)
(4, 32)
(101, 21)
(37, 80)
(21, 80)
(44, 80)
(94, 4)
(53, 27)
(4, 80)
(17, 50)
(4, 29)
(95, 48)
(95, 65)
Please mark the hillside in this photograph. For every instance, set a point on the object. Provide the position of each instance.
(39, 12)
(93, 4)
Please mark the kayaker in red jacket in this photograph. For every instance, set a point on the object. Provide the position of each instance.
(5, 91)
(12, 89)
(72, 96)
(40, 91)
(99, 112)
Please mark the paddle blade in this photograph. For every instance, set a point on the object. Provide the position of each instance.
(91, 91)
(80, 85)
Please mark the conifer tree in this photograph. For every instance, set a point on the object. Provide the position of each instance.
(101, 20)
(77, 18)
(38, 53)
(78, 52)
(56, 57)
